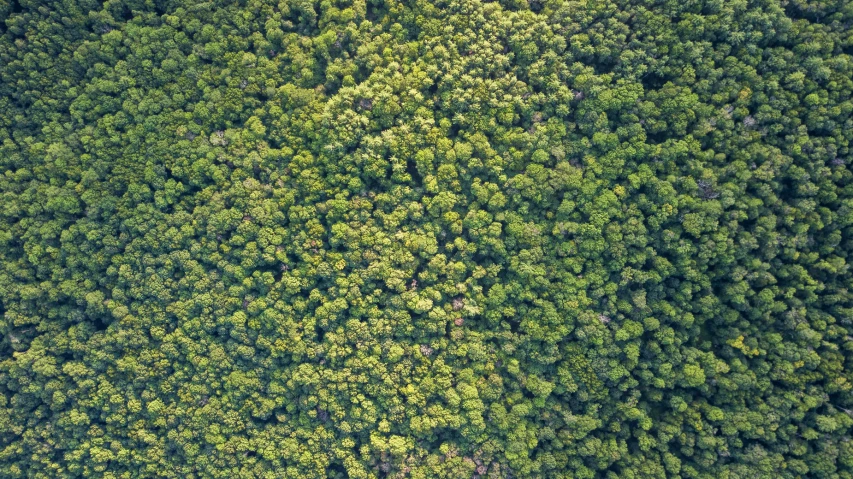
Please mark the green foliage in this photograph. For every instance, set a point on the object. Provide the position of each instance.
(375, 239)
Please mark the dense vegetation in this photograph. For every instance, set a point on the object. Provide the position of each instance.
(387, 239)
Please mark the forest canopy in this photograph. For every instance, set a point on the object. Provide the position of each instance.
(415, 239)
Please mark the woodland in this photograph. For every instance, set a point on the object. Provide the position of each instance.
(371, 239)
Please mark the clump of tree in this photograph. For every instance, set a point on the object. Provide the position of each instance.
(387, 239)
